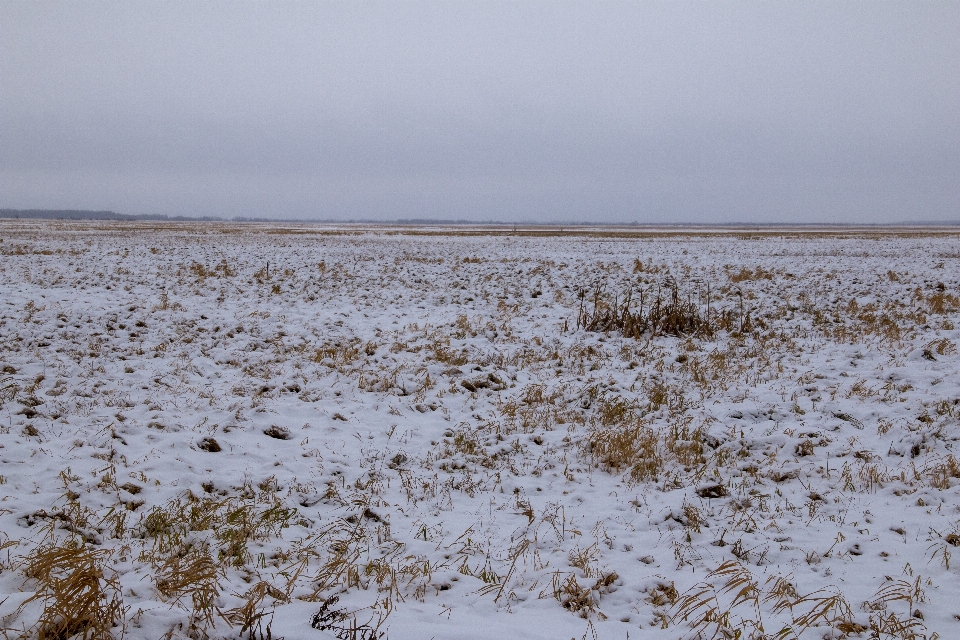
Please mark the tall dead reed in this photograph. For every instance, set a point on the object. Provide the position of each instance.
(641, 313)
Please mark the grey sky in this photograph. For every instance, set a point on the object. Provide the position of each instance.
(641, 111)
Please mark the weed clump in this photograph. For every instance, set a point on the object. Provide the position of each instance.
(671, 314)
(78, 599)
(634, 447)
(278, 432)
(341, 624)
(209, 445)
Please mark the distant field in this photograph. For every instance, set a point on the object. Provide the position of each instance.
(219, 430)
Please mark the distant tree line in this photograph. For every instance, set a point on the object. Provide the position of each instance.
(82, 214)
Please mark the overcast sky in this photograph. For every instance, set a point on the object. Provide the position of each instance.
(513, 111)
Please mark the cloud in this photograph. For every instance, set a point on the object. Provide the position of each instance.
(513, 111)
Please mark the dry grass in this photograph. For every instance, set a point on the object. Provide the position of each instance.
(8, 389)
(643, 313)
(343, 625)
(735, 604)
(634, 447)
(192, 573)
(78, 598)
(253, 617)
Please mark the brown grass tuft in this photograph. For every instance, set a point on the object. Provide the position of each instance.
(78, 600)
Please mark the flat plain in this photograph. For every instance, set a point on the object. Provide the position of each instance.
(318, 431)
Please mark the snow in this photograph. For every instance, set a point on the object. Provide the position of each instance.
(432, 402)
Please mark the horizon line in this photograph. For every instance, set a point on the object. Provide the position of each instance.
(107, 215)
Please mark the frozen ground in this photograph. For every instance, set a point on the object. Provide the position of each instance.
(209, 430)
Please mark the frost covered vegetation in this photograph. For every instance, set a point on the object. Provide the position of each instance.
(213, 431)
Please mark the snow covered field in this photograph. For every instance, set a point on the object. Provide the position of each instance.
(211, 430)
